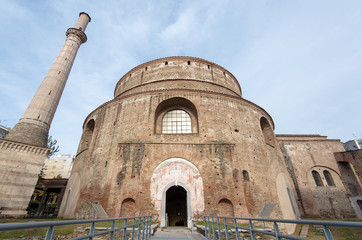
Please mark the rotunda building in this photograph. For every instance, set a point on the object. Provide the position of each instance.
(179, 141)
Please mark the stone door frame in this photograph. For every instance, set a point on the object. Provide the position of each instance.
(188, 203)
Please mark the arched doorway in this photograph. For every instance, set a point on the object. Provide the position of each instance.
(176, 206)
(177, 172)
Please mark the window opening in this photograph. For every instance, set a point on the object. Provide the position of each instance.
(317, 178)
(328, 177)
(246, 175)
(176, 121)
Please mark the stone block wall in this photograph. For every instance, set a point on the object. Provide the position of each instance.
(20, 165)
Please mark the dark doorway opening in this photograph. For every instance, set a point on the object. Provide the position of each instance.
(176, 206)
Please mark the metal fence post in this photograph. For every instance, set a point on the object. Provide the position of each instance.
(236, 229)
(91, 231)
(150, 232)
(124, 229)
(146, 228)
(111, 237)
(213, 227)
(327, 233)
(50, 233)
(147, 223)
(276, 229)
(192, 226)
(205, 227)
(209, 223)
(226, 229)
(143, 229)
(139, 228)
(133, 226)
(218, 227)
(252, 235)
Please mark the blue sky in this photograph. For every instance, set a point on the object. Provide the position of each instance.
(299, 60)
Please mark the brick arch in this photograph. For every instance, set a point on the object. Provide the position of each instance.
(128, 208)
(328, 176)
(225, 208)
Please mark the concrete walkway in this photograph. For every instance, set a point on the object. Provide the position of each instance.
(176, 233)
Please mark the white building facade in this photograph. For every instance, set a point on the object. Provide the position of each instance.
(58, 166)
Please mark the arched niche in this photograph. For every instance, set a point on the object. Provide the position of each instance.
(71, 197)
(287, 202)
(246, 175)
(268, 132)
(225, 208)
(87, 135)
(128, 208)
(177, 172)
(176, 103)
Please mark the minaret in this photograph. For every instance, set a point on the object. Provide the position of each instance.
(33, 126)
(24, 149)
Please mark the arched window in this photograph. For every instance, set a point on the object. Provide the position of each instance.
(328, 177)
(176, 121)
(176, 116)
(245, 175)
(317, 178)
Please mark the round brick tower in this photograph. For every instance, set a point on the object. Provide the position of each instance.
(178, 141)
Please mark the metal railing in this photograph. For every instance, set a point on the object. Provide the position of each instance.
(137, 227)
(223, 227)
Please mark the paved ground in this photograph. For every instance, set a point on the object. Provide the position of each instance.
(176, 233)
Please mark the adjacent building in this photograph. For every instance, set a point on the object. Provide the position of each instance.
(353, 145)
(58, 166)
(3, 131)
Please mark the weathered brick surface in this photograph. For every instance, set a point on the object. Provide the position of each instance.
(350, 165)
(118, 160)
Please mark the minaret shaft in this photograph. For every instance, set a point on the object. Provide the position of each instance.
(33, 126)
(24, 149)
